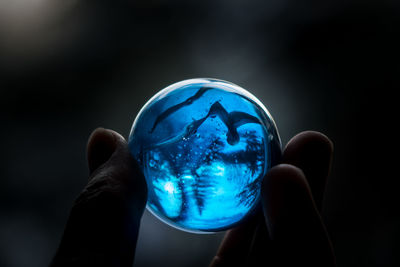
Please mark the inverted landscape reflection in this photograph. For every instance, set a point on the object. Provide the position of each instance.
(204, 146)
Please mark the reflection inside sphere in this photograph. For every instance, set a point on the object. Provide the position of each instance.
(204, 146)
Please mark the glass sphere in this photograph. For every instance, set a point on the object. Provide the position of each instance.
(204, 146)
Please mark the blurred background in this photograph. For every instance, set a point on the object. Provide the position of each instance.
(67, 67)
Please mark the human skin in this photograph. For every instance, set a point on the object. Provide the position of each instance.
(104, 221)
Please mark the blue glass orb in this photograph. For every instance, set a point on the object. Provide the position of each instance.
(204, 146)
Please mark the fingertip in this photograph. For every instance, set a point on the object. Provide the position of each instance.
(314, 140)
(101, 145)
(293, 221)
(118, 137)
(109, 156)
(105, 218)
(280, 176)
(109, 159)
(312, 152)
(284, 189)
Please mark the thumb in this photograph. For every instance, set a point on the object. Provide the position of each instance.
(103, 225)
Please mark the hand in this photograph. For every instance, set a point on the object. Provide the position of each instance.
(103, 226)
(289, 231)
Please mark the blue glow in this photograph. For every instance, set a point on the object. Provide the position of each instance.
(204, 146)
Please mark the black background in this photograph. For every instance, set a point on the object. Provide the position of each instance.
(67, 67)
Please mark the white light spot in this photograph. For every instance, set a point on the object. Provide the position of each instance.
(221, 171)
(169, 187)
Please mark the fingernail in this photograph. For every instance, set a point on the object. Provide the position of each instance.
(101, 145)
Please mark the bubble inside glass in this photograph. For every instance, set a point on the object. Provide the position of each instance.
(204, 146)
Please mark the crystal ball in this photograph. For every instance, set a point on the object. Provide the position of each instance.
(204, 146)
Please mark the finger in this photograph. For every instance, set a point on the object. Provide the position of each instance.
(293, 221)
(261, 246)
(101, 145)
(103, 225)
(234, 248)
(312, 153)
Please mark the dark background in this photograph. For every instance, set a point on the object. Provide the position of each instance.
(67, 67)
